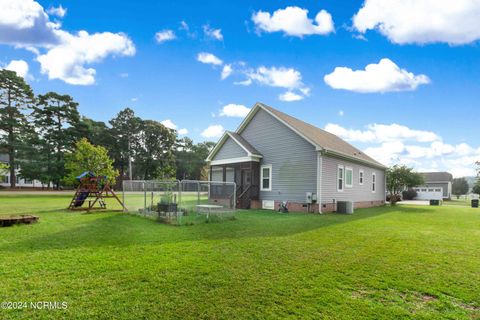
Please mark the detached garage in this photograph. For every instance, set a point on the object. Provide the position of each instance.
(429, 193)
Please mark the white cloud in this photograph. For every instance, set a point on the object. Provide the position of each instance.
(226, 71)
(164, 36)
(288, 78)
(341, 113)
(19, 66)
(290, 96)
(123, 75)
(424, 150)
(234, 110)
(57, 11)
(385, 76)
(24, 23)
(294, 21)
(382, 133)
(213, 131)
(171, 125)
(182, 131)
(67, 60)
(208, 58)
(213, 33)
(62, 55)
(426, 21)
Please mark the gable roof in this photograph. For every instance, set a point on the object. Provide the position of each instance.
(437, 176)
(239, 140)
(321, 139)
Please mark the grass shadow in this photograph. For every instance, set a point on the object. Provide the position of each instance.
(109, 229)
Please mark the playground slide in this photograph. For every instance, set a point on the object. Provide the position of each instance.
(80, 199)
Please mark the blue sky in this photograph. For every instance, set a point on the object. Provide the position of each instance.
(427, 85)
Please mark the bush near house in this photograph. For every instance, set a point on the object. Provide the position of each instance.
(409, 194)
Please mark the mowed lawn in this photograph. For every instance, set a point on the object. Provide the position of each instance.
(382, 263)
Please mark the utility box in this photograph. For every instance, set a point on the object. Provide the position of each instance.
(308, 197)
(345, 207)
(474, 203)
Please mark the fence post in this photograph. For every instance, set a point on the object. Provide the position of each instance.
(123, 195)
(198, 192)
(144, 199)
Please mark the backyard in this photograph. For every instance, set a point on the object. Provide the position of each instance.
(401, 262)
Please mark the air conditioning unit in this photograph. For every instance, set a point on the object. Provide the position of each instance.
(345, 207)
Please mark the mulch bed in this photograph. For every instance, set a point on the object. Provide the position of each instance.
(7, 221)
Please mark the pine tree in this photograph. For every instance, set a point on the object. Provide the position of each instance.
(16, 98)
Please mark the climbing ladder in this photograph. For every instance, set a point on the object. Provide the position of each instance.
(92, 192)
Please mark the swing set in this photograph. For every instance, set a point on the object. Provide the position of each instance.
(92, 192)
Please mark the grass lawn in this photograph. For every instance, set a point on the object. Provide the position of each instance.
(382, 263)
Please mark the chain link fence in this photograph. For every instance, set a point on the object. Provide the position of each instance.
(180, 202)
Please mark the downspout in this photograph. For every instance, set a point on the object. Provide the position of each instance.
(319, 181)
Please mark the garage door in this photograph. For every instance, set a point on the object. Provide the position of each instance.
(429, 193)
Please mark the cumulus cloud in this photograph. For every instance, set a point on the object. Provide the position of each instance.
(385, 76)
(67, 60)
(25, 23)
(57, 11)
(171, 125)
(164, 36)
(422, 22)
(213, 33)
(20, 67)
(213, 131)
(422, 149)
(182, 131)
(234, 110)
(209, 58)
(294, 21)
(61, 54)
(382, 133)
(226, 71)
(282, 77)
(290, 96)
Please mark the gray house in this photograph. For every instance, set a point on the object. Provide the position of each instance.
(273, 157)
(435, 182)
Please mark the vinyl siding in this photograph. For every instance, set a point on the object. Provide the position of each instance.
(230, 149)
(293, 160)
(357, 192)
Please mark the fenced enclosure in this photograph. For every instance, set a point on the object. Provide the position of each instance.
(180, 202)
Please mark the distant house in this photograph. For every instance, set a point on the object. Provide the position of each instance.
(273, 157)
(21, 183)
(437, 184)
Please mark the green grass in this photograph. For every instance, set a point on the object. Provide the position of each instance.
(382, 263)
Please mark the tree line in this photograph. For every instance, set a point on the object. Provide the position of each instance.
(38, 132)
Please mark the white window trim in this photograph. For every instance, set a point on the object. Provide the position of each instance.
(269, 166)
(374, 182)
(348, 185)
(343, 177)
(361, 173)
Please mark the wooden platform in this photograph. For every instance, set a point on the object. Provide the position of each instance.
(7, 221)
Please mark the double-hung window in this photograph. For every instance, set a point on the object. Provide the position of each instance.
(360, 177)
(374, 182)
(340, 177)
(266, 177)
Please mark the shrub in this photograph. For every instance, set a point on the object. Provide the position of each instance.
(409, 194)
(397, 198)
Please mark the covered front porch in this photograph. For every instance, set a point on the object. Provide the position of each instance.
(246, 176)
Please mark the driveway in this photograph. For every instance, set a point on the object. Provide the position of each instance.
(415, 202)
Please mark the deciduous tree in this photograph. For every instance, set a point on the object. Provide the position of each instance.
(401, 177)
(88, 157)
(459, 186)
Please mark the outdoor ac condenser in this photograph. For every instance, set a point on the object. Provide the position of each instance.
(345, 207)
